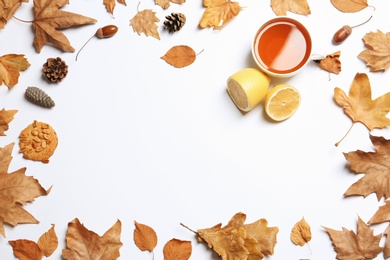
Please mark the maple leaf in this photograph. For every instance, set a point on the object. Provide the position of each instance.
(349, 6)
(48, 18)
(6, 116)
(145, 237)
(10, 67)
(81, 241)
(331, 63)
(8, 9)
(27, 249)
(180, 56)
(300, 233)
(360, 107)
(16, 190)
(376, 169)
(360, 246)
(144, 22)
(176, 249)
(377, 56)
(280, 7)
(382, 214)
(218, 13)
(110, 5)
(386, 251)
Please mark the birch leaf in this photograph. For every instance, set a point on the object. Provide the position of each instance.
(176, 249)
(145, 238)
(300, 233)
(349, 6)
(180, 56)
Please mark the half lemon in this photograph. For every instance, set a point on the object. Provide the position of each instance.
(281, 102)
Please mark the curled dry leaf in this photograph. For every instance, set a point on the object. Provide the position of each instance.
(176, 249)
(349, 6)
(218, 13)
(377, 55)
(280, 7)
(300, 233)
(8, 9)
(110, 5)
(10, 67)
(180, 56)
(145, 22)
(145, 238)
(6, 116)
(331, 63)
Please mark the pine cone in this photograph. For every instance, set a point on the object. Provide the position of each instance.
(174, 22)
(55, 69)
(37, 96)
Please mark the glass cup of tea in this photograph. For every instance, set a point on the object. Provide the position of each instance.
(282, 47)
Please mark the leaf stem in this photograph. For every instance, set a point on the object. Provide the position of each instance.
(83, 46)
(20, 20)
(188, 228)
(200, 52)
(337, 144)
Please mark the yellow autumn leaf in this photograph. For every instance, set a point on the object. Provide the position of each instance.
(145, 22)
(349, 6)
(10, 67)
(300, 233)
(218, 13)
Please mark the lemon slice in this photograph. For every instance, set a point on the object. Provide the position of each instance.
(248, 87)
(281, 102)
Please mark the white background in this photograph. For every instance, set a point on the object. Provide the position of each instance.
(140, 140)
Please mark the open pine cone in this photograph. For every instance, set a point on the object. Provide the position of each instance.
(174, 22)
(55, 69)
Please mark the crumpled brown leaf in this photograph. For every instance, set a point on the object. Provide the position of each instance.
(8, 9)
(180, 56)
(16, 190)
(377, 55)
(145, 238)
(145, 22)
(48, 18)
(280, 7)
(6, 116)
(176, 249)
(300, 233)
(81, 241)
(360, 246)
(10, 67)
(349, 6)
(166, 3)
(218, 13)
(331, 63)
(110, 5)
(376, 169)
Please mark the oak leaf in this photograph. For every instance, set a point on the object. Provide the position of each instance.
(145, 22)
(110, 5)
(300, 233)
(360, 246)
(360, 107)
(180, 56)
(145, 238)
(349, 6)
(377, 55)
(16, 190)
(176, 249)
(83, 242)
(48, 18)
(10, 67)
(6, 116)
(382, 214)
(166, 3)
(27, 249)
(218, 13)
(331, 63)
(8, 9)
(280, 7)
(376, 169)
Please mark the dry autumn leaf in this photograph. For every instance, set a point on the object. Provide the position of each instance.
(376, 169)
(218, 13)
(110, 5)
(300, 233)
(6, 116)
(48, 19)
(8, 9)
(382, 214)
(10, 67)
(360, 107)
(16, 190)
(176, 249)
(82, 242)
(166, 3)
(145, 238)
(360, 246)
(145, 22)
(29, 250)
(180, 56)
(386, 251)
(349, 6)
(377, 56)
(280, 7)
(331, 63)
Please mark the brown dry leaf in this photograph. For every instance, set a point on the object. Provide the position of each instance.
(376, 169)
(280, 7)
(360, 246)
(6, 116)
(331, 63)
(145, 238)
(377, 56)
(349, 6)
(82, 242)
(237, 240)
(166, 3)
(110, 5)
(360, 107)
(218, 13)
(10, 67)
(145, 22)
(300, 233)
(176, 249)
(180, 56)
(16, 190)
(386, 251)
(48, 19)
(29, 250)
(382, 214)
(8, 9)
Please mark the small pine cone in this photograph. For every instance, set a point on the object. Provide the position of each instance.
(174, 22)
(55, 69)
(37, 96)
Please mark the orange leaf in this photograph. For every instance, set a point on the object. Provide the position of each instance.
(176, 249)
(8, 9)
(6, 116)
(377, 57)
(382, 214)
(180, 56)
(300, 233)
(218, 13)
(145, 237)
(26, 249)
(145, 22)
(349, 6)
(10, 66)
(48, 242)
(280, 7)
(110, 5)
(331, 63)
